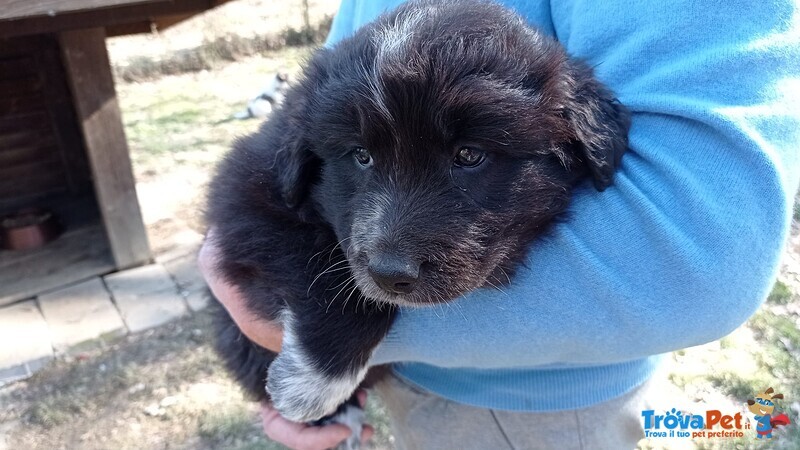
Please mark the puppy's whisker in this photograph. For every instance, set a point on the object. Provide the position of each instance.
(349, 279)
(331, 269)
(460, 310)
(496, 287)
(508, 279)
(339, 246)
(319, 253)
(347, 251)
(333, 300)
(350, 295)
(352, 291)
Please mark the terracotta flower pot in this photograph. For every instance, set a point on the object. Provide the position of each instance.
(28, 229)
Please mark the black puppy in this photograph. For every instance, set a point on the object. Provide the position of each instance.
(412, 163)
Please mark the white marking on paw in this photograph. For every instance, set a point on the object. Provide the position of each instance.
(352, 417)
(298, 390)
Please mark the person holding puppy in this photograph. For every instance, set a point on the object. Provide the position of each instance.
(679, 252)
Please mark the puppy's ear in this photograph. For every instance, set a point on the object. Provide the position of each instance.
(297, 165)
(300, 168)
(599, 124)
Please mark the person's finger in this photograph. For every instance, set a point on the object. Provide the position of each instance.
(301, 436)
(323, 437)
(366, 433)
(361, 395)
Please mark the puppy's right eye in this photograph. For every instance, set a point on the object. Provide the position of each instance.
(362, 156)
(469, 157)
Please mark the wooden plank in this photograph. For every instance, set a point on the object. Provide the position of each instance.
(23, 137)
(160, 23)
(22, 104)
(92, 85)
(77, 255)
(21, 46)
(20, 86)
(33, 121)
(17, 9)
(38, 149)
(18, 67)
(35, 188)
(63, 122)
(102, 17)
(144, 26)
(46, 180)
(45, 161)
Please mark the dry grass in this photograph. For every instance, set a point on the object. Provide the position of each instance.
(162, 389)
(179, 126)
(228, 33)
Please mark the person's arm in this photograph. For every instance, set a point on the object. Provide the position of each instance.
(685, 246)
(269, 335)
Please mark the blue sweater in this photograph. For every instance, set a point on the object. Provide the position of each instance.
(679, 252)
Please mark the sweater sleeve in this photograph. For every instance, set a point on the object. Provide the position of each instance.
(685, 246)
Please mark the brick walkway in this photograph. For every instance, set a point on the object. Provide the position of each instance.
(35, 331)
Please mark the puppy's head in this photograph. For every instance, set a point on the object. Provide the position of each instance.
(440, 140)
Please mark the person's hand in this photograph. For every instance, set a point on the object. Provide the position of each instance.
(300, 436)
(263, 332)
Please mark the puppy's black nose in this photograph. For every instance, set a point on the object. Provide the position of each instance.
(393, 273)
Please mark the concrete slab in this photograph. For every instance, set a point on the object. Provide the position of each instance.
(24, 334)
(38, 364)
(12, 374)
(198, 299)
(141, 280)
(185, 272)
(80, 313)
(146, 297)
(191, 284)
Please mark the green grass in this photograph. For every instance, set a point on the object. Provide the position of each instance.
(55, 410)
(780, 295)
(218, 51)
(234, 427)
(185, 121)
(778, 330)
(736, 386)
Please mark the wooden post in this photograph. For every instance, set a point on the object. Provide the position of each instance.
(89, 73)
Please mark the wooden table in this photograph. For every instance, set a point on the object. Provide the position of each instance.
(61, 133)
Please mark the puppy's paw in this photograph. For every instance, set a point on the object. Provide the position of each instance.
(353, 417)
(301, 392)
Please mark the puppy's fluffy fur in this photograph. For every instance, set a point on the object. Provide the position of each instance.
(362, 176)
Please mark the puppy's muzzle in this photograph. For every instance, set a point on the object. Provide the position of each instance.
(393, 273)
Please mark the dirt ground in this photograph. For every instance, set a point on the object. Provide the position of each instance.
(165, 388)
(161, 389)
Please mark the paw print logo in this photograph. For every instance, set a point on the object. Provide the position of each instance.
(763, 406)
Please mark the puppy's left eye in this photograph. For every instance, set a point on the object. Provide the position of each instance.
(362, 156)
(469, 157)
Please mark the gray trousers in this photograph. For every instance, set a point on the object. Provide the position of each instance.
(424, 421)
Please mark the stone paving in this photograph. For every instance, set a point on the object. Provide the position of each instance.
(35, 331)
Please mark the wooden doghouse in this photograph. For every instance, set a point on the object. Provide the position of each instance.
(62, 143)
